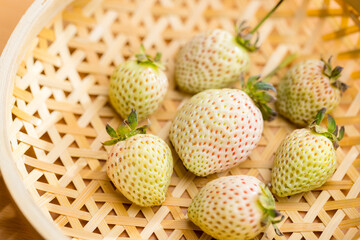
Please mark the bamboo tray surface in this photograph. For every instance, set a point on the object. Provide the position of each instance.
(56, 116)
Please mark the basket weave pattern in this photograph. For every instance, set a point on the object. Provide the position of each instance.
(60, 108)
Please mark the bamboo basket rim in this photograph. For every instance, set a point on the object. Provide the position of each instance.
(27, 28)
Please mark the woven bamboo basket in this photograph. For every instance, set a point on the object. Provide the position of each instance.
(54, 84)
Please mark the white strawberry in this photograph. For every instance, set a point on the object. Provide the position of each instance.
(217, 129)
(140, 165)
(138, 84)
(308, 87)
(306, 158)
(214, 59)
(234, 208)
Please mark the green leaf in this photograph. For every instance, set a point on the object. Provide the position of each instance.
(141, 130)
(158, 57)
(254, 78)
(145, 59)
(132, 119)
(264, 201)
(340, 85)
(141, 57)
(264, 97)
(255, 89)
(335, 132)
(331, 124)
(320, 116)
(341, 133)
(111, 142)
(343, 86)
(335, 73)
(267, 200)
(126, 130)
(318, 129)
(327, 67)
(278, 214)
(277, 230)
(123, 129)
(264, 86)
(331, 132)
(251, 82)
(142, 49)
(267, 112)
(329, 136)
(110, 131)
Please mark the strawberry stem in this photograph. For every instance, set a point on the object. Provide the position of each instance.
(334, 74)
(126, 130)
(256, 90)
(143, 58)
(244, 36)
(266, 17)
(332, 132)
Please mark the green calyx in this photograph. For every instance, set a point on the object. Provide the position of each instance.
(256, 90)
(334, 74)
(126, 130)
(332, 132)
(244, 36)
(145, 59)
(267, 204)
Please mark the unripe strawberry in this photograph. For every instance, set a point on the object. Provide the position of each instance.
(140, 165)
(308, 87)
(138, 84)
(214, 59)
(234, 208)
(217, 129)
(306, 158)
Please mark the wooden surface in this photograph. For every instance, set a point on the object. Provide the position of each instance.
(13, 224)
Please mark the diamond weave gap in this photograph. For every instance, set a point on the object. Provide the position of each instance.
(60, 109)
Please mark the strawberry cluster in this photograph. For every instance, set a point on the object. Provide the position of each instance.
(218, 127)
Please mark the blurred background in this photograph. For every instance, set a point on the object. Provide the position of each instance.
(13, 225)
(10, 13)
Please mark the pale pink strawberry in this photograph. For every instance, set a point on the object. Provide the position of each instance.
(234, 208)
(212, 59)
(215, 58)
(217, 129)
(308, 87)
